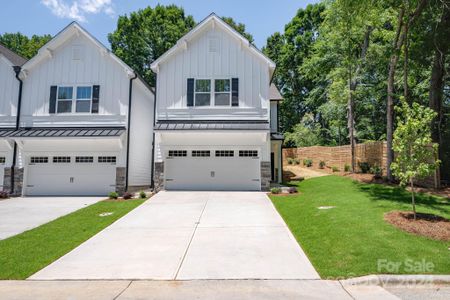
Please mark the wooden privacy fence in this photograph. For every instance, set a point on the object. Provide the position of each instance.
(373, 153)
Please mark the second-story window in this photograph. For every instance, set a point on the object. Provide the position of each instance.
(222, 95)
(84, 97)
(202, 92)
(65, 95)
(69, 102)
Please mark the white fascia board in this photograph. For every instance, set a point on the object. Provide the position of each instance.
(214, 20)
(73, 29)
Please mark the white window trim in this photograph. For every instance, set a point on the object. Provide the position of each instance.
(74, 99)
(212, 93)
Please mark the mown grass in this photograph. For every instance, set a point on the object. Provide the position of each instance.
(24, 254)
(353, 239)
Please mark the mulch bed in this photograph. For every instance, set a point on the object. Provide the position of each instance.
(431, 226)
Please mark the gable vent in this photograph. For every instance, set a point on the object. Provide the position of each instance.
(214, 45)
(77, 53)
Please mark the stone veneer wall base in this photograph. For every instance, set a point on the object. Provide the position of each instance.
(18, 181)
(158, 177)
(266, 175)
(120, 180)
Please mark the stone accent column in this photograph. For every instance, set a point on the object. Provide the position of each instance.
(266, 175)
(120, 180)
(18, 181)
(158, 176)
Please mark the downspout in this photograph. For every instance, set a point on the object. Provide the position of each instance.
(152, 185)
(128, 129)
(17, 70)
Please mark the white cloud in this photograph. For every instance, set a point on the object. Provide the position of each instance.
(78, 9)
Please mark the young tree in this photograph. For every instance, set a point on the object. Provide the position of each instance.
(412, 143)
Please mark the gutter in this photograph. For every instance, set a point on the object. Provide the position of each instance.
(128, 129)
(17, 70)
(152, 181)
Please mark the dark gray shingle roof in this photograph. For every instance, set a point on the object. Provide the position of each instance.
(274, 93)
(212, 125)
(14, 58)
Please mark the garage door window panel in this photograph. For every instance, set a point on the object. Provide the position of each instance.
(107, 159)
(224, 153)
(248, 153)
(38, 160)
(201, 153)
(84, 159)
(61, 159)
(177, 153)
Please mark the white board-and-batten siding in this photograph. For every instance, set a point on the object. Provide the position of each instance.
(9, 91)
(92, 68)
(232, 60)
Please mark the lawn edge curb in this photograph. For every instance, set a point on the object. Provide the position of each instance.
(398, 280)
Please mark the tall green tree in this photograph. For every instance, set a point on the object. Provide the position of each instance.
(22, 44)
(144, 35)
(289, 50)
(239, 27)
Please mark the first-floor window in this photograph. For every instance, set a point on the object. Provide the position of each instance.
(64, 100)
(222, 92)
(84, 99)
(2, 160)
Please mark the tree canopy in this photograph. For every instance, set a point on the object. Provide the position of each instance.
(22, 44)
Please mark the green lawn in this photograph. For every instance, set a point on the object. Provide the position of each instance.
(26, 253)
(352, 239)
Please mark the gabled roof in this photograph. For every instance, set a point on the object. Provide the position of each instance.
(12, 57)
(211, 20)
(73, 29)
(274, 93)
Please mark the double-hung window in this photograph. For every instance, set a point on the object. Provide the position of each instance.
(69, 101)
(222, 92)
(202, 92)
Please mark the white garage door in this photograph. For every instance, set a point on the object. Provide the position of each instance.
(212, 170)
(70, 176)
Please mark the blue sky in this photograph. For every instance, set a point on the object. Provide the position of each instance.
(99, 17)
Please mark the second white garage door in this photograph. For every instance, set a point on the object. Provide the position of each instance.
(212, 173)
(45, 177)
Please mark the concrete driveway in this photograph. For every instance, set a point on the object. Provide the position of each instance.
(190, 235)
(20, 214)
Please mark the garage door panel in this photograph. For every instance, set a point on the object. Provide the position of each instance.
(212, 173)
(70, 179)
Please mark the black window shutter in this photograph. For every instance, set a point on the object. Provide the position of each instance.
(52, 106)
(95, 98)
(235, 92)
(190, 92)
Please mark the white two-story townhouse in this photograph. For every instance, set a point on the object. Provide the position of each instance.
(86, 121)
(214, 113)
(10, 63)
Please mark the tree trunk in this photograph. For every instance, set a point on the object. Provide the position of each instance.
(442, 45)
(413, 199)
(397, 46)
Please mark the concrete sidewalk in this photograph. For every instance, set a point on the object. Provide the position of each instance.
(189, 236)
(185, 290)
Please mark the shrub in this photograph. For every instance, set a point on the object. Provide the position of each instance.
(292, 190)
(275, 190)
(296, 161)
(364, 166)
(290, 160)
(321, 164)
(307, 162)
(113, 195)
(335, 169)
(142, 195)
(127, 196)
(347, 168)
(377, 171)
(4, 195)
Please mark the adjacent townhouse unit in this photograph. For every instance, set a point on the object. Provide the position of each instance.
(86, 121)
(10, 64)
(216, 113)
